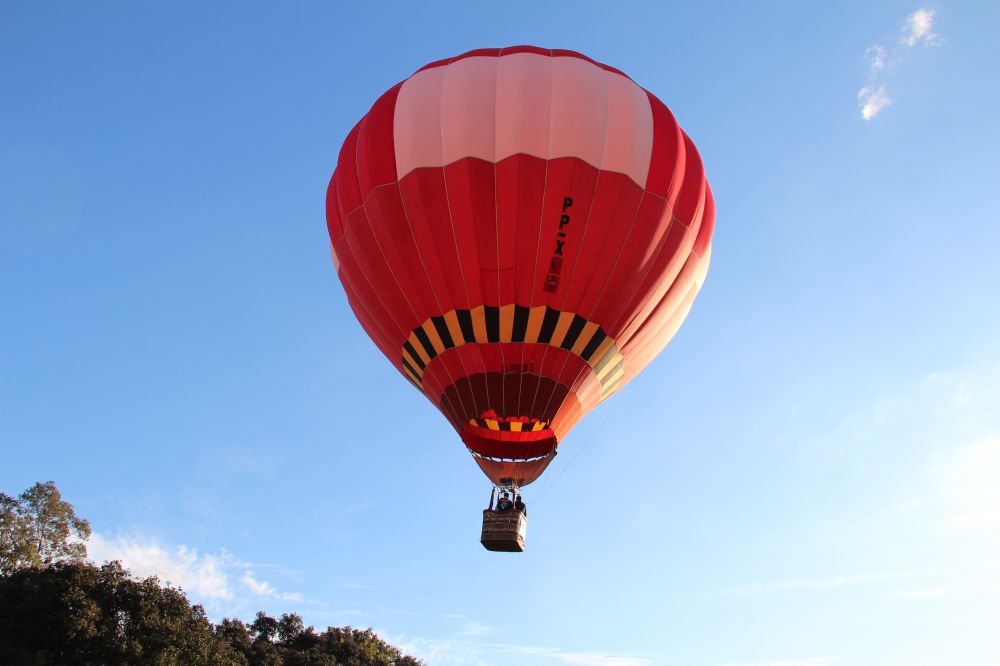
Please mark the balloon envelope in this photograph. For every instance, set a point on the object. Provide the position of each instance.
(520, 231)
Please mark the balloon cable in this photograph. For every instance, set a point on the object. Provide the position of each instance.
(548, 486)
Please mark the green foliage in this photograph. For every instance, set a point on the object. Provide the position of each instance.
(76, 613)
(73, 613)
(39, 528)
(56, 609)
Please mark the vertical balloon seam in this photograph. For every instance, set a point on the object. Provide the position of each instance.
(652, 337)
(659, 340)
(450, 373)
(521, 408)
(563, 303)
(496, 230)
(437, 298)
(586, 222)
(542, 299)
(629, 312)
(356, 306)
(641, 316)
(624, 244)
(363, 274)
(366, 198)
(558, 301)
(461, 269)
(620, 252)
(346, 239)
(646, 306)
(645, 338)
(474, 255)
(638, 306)
(516, 221)
(342, 182)
(451, 377)
(665, 310)
(697, 279)
(451, 221)
(417, 175)
(535, 297)
(350, 278)
(387, 261)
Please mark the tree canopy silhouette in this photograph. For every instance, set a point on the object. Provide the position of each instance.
(39, 528)
(56, 608)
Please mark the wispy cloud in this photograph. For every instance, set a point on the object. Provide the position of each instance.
(258, 587)
(933, 592)
(469, 626)
(964, 486)
(437, 652)
(207, 578)
(876, 56)
(820, 583)
(459, 652)
(917, 29)
(582, 658)
(935, 446)
(873, 97)
(809, 661)
(970, 486)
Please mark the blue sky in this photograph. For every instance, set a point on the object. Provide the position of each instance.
(809, 475)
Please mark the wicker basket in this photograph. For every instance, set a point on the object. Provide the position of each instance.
(504, 530)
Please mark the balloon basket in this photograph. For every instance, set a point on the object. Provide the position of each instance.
(504, 530)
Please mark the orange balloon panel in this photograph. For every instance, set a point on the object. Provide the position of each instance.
(520, 231)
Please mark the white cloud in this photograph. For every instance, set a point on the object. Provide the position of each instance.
(259, 587)
(205, 578)
(873, 97)
(810, 661)
(873, 101)
(917, 28)
(582, 658)
(877, 56)
(202, 575)
(468, 653)
(437, 652)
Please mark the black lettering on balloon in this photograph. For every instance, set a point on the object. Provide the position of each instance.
(551, 282)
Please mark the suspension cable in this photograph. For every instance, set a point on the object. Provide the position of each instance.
(548, 486)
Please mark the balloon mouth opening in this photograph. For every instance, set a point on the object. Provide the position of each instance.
(490, 420)
(520, 438)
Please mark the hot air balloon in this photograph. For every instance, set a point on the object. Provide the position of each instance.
(520, 231)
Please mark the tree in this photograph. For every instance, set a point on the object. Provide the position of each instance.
(76, 613)
(57, 608)
(73, 613)
(39, 528)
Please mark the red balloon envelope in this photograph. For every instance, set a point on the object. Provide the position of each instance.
(520, 231)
